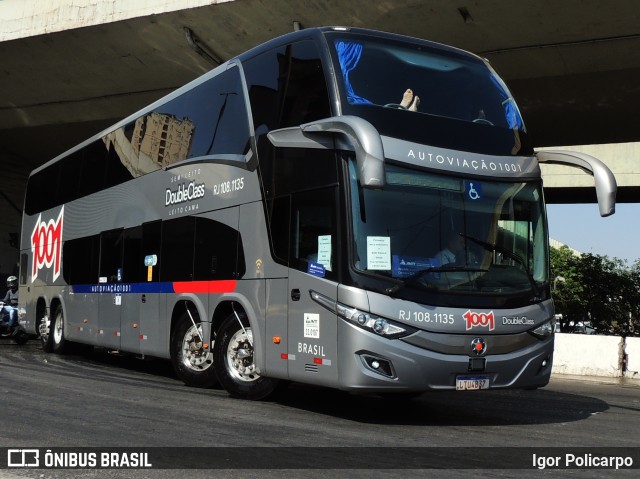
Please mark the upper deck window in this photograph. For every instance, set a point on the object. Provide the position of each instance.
(453, 96)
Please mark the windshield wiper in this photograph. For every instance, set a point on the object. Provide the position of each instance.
(433, 269)
(509, 254)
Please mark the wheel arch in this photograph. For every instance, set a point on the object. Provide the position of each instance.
(181, 307)
(238, 305)
(55, 302)
(41, 309)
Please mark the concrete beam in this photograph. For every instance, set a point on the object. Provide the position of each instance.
(622, 158)
(26, 18)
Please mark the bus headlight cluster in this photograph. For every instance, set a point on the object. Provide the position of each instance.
(362, 319)
(544, 330)
(380, 326)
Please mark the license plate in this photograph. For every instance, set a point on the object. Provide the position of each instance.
(472, 383)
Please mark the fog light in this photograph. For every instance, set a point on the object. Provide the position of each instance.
(378, 365)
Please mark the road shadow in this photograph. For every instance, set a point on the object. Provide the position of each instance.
(438, 408)
(448, 408)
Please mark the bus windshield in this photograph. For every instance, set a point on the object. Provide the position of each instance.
(436, 95)
(425, 232)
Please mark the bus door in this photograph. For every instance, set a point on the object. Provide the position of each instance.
(110, 288)
(140, 309)
(312, 328)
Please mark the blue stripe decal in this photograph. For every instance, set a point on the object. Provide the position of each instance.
(123, 288)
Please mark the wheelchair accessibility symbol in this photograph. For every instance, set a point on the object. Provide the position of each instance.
(473, 190)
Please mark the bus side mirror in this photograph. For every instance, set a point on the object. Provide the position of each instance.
(354, 134)
(606, 185)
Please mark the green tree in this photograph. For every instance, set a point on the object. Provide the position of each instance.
(567, 287)
(597, 289)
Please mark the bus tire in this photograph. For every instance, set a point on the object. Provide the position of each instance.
(234, 363)
(191, 361)
(44, 330)
(56, 332)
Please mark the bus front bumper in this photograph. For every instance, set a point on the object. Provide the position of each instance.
(372, 363)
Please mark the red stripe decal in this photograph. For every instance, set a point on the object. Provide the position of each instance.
(207, 287)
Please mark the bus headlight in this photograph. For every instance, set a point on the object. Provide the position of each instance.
(381, 326)
(544, 330)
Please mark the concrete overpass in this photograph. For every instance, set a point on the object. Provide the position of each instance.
(69, 68)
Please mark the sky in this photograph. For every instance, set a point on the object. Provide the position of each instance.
(582, 228)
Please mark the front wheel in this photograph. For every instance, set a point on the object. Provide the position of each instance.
(191, 360)
(234, 362)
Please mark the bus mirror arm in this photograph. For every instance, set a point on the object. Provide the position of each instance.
(357, 134)
(605, 182)
(366, 141)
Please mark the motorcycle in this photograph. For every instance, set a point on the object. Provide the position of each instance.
(15, 332)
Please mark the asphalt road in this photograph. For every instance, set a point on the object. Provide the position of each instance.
(108, 401)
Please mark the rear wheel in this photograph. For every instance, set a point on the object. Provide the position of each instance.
(192, 362)
(56, 333)
(44, 329)
(234, 361)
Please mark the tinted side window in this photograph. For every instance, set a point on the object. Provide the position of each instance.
(297, 169)
(314, 232)
(209, 119)
(285, 172)
(68, 178)
(287, 87)
(222, 122)
(111, 248)
(177, 249)
(94, 166)
(279, 224)
(133, 270)
(80, 264)
(218, 251)
(117, 171)
(151, 245)
(304, 228)
(186, 249)
(37, 198)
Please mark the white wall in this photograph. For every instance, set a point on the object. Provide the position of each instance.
(592, 355)
(633, 358)
(26, 18)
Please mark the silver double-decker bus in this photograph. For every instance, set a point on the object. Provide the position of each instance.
(338, 207)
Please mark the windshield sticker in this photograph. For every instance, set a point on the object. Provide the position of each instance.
(324, 251)
(378, 253)
(473, 190)
(316, 269)
(404, 266)
(311, 325)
